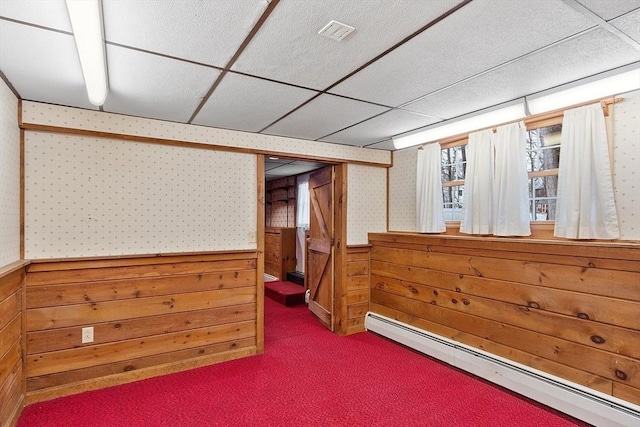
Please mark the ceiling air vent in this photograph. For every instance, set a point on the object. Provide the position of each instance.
(336, 30)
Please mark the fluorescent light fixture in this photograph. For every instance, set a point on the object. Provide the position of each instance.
(593, 88)
(86, 22)
(483, 119)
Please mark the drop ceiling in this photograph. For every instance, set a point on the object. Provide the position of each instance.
(275, 168)
(260, 66)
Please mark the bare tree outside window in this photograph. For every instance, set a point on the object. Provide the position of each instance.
(543, 157)
(454, 165)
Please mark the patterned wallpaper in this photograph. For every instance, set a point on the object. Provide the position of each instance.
(9, 177)
(626, 178)
(280, 208)
(53, 115)
(281, 214)
(626, 158)
(88, 196)
(402, 190)
(366, 202)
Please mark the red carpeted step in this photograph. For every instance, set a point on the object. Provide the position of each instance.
(286, 293)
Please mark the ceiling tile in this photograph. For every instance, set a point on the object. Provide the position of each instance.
(272, 165)
(322, 116)
(51, 13)
(271, 162)
(609, 9)
(288, 47)
(381, 127)
(629, 24)
(203, 31)
(589, 54)
(42, 65)
(295, 168)
(481, 35)
(146, 85)
(249, 104)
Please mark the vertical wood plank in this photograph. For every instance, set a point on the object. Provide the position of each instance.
(260, 221)
(340, 255)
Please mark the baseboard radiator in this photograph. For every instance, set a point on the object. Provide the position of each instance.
(573, 399)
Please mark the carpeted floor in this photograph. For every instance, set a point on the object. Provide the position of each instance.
(306, 377)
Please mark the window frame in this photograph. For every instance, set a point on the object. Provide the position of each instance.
(539, 229)
(530, 124)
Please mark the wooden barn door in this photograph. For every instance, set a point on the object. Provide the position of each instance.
(320, 246)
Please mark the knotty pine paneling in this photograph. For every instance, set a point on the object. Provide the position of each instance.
(12, 380)
(151, 315)
(357, 287)
(567, 308)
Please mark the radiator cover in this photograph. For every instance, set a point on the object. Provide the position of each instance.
(571, 398)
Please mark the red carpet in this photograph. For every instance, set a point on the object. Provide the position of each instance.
(306, 377)
(286, 293)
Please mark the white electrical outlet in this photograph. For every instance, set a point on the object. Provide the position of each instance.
(87, 334)
(253, 237)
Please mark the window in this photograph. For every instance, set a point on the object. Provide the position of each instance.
(454, 165)
(543, 155)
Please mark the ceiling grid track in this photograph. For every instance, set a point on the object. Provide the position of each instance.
(272, 5)
(30, 24)
(231, 65)
(163, 55)
(365, 65)
(602, 23)
(459, 82)
(497, 67)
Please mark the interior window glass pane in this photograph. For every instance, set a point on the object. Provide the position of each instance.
(543, 148)
(453, 199)
(453, 164)
(542, 194)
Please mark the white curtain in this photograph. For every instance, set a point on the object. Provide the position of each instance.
(478, 185)
(510, 182)
(585, 206)
(303, 202)
(429, 202)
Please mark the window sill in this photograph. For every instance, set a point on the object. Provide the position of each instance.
(540, 230)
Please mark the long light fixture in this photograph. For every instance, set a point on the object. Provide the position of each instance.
(502, 113)
(600, 86)
(86, 22)
(596, 87)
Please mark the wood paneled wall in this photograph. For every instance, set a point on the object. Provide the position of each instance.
(567, 308)
(151, 315)
(357, 287)
(11, 342)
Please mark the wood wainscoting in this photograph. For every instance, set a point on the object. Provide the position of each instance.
(571, 309)
(357, 287)
(151, 315)
(11, 323)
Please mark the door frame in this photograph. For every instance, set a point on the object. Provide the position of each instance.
(340, 250)
(260, 225)
(340, 247)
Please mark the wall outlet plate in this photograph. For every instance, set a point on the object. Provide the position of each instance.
(87, 334)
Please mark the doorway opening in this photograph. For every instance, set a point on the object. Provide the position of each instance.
(299, 237)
